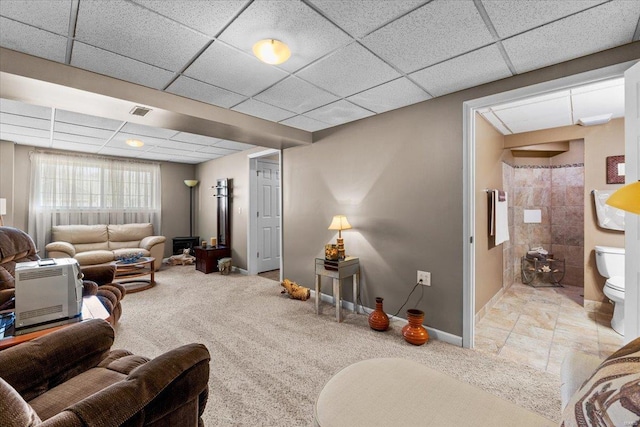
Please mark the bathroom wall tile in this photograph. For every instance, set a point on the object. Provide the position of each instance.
(523, 196)
(575, 176)
(574, 196)
(574, 235)
(521, 235)
(558, 235)
(558, 215)
(573, 276)
(541, 178)
(558, 196)
(541, 196)
(558, 176)
(575, 214)
(558, 251)
(574, 255)
(521, 177)
(510, 217)
(518, 215)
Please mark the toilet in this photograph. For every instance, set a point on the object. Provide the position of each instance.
(610, 262)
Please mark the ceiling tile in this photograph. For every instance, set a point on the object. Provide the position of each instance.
(308, 34)
(27, 131)
(493, 119)
(112, 65)
(135, 32)
(236, 71)
(30, 40)
(137, 129)
(175, 145)
(207, 17)
(24, 109)
(350, 70)
(120, 152)
(389, 96)
(70, 117)
(233, 145)
(598, 102)
(359, 18)
(83, 131)
(216, 150)
(578, 35)
(194, 89)
(339, 112)
(262, 110)
(431, 34)
(47, 15)
(511, 17)
(25, 139)
(553, 112)
(296, 95)
(70, 137)
(195, 139)
(462, 72)
(24, 121)
(305, 123)
(75, 146)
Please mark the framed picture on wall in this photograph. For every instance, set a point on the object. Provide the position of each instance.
(615, 170)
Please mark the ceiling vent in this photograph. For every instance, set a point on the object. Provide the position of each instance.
(139, 111)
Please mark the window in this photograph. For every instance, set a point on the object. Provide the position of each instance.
(76, 189)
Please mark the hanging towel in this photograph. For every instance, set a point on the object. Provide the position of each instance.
(501, 217)
(608, 217)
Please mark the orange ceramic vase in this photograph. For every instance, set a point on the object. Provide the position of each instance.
(378, 319)
(413, 332)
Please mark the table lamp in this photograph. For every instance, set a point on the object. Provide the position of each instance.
(626, 198)
(340, 223)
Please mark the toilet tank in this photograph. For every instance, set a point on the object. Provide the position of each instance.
(610, 261)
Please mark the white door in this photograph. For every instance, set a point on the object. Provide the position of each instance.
(632, 221)
(268, 215)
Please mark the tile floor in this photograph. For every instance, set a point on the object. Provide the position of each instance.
(538, 326)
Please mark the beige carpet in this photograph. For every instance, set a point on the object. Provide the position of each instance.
(271, 355)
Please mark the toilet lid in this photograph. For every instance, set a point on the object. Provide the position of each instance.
(616, 283)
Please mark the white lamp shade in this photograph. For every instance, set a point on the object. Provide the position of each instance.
(271, 51)
(339, 222)
(626, 198)
(191, 182)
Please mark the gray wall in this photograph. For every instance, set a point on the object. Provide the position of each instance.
(398, 178)
(175, 194)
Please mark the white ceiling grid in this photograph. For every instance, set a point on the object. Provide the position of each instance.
(350, 59)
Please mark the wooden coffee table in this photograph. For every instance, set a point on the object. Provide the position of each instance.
(92, 308)
(129, 274)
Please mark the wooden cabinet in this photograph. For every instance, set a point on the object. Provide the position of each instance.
(207, 258)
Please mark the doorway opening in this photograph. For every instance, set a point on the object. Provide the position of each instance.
(264, 233)
(470, 192)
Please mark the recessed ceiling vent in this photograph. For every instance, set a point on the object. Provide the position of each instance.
(139, 111)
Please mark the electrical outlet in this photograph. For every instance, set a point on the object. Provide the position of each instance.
(425, 276)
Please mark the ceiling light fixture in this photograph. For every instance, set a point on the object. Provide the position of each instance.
(271, 51)
(595, 120)
(134, 143)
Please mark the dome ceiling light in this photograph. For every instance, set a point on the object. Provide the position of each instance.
(134, 143)
(271, 51)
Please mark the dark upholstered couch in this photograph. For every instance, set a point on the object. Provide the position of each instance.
(17, 246)
(70, 377)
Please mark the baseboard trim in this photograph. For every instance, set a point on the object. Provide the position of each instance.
(239, 270)
(433, 333)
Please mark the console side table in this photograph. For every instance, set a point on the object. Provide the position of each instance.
(207, 258)
(338, 270)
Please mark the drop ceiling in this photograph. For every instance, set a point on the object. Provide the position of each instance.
(350, 59)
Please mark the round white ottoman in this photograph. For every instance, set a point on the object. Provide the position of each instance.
(399, 392)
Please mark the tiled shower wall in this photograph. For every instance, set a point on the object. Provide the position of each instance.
(558, 192)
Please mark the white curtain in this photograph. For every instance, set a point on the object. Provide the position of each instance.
(76, 189)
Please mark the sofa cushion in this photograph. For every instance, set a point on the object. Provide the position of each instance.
(129, 232)
(14, 411)
(94, 257)
(78, 234)
(611, 396)
(74, 390)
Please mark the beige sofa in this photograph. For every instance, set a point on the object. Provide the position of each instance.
(100, 244)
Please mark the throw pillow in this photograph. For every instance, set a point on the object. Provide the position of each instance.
(14, 411)
(611, 396)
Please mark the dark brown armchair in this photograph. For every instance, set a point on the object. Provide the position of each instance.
(16, 246)
(72, 378)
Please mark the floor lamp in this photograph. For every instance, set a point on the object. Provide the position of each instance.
(191, 183)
